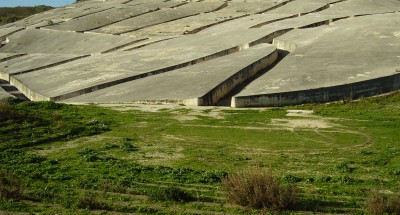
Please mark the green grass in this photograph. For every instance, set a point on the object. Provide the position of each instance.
(74, 159)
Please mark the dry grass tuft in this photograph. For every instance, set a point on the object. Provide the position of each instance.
(259, 189)
(380, 204)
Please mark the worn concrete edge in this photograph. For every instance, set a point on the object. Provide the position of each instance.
(30, 94)
(350, 91)
(220, 91)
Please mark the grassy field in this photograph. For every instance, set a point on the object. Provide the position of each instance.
(156, 159)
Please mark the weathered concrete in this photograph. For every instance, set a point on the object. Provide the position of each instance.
(48, 41)
(8, 56)
(362, 63)
(250, 7)
(32, 62)
(188, 25)
(103, 18)
(159, 16)
(202, 84)
(339, 48)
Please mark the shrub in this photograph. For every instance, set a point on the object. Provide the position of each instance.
(381, 204)
(6, 111)
(259, 189)
(10, 186)
(173, 193)
(88, 201)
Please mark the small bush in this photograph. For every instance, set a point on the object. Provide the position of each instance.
(259, 189)
(6, 111)
(173, 193)
(381, 204)
(10, 186)
(88, 201)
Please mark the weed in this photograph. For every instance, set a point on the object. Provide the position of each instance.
(172, 193)
(90, 155)
(128, 147)
(378, 203)
(89, 201)
(10, 186)
(259, 189)
(345, 167)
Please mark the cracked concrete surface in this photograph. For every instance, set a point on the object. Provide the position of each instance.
(149, 50)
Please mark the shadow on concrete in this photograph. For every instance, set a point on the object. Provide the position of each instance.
(226, 100)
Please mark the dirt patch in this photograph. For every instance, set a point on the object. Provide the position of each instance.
(73, 144)
(302, 123)
(300, 113)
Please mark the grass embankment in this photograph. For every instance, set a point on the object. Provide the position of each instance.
(12, 14)
(76, 159)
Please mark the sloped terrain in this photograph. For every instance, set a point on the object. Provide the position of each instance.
(248, 53)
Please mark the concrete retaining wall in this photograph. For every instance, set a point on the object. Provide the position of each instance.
(226, 87)
(31, 95)
(348, 91)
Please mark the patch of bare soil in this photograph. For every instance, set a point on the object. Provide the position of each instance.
(73, 144)
(302, 123)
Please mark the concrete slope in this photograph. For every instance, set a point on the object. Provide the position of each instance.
(362, 62)
(202, 84)
(160, 16)
(149, 50)
(103, 71)
(103, 18)
(58, 42)
(33, 62)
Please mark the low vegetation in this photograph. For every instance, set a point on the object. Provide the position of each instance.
(259, 189)
(65, 159)
(13, 14)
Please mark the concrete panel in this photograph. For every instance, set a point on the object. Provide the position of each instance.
(250, 7)
(188, 25)
(146, 20)
(361, 7)
(101, 71)
(8, 31)
(365, 49)
(202, 84)
(57, 42)
(101, 19)
(33, 62)
(8, 56)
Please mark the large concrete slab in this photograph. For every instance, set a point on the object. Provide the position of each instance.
(161, 16)
(32, 62)
(57, 42)
(8, 56)
(188, 25)
(102, 71)
(250, 7)
(202, 84)
(103, 18)
(361, 7)
(339, 48)
(146, 20)
(362, 62)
